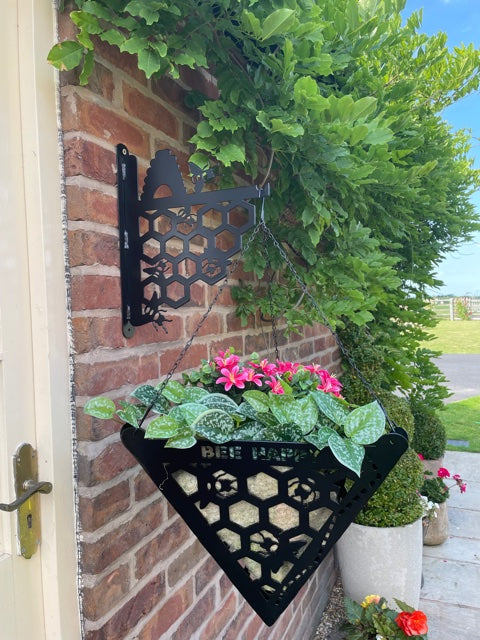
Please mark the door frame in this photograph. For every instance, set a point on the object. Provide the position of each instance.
(44, 211)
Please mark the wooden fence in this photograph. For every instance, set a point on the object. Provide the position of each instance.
(458, 308)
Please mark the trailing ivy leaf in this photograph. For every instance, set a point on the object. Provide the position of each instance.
(146, 10)
(347, 452)
(112, 36)
(184, 439)
(162, 427)
(365, 424)
(66, 55)
(330, 406)
(174, 391)
(86, 21)
(100, 407)
(231, 153)
(149, 60)
(258, 400)
(277, 22)
(220, 401)
(215, 425)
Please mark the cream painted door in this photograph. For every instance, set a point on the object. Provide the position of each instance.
(38, 596)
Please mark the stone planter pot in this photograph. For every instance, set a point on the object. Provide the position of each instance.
(436, 529)
(382, 560)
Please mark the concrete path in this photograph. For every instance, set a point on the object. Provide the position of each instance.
(463, 375)
(451, 592)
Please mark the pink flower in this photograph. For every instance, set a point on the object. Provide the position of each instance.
(463, 487)
(456, 477)
(329, 384)
(287, 367)
(232, 377)
(226, 362)
(253, 376)
(443, 473)
(275, 385)
(267, 367)
(420, 456)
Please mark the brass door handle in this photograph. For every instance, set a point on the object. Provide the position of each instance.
(30, 488)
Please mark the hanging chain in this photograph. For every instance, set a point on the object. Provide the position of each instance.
(188, 344)
(267, 233)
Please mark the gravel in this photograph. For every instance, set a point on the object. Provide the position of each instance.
(333, 616)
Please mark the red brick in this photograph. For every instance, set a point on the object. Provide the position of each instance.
(235, 627)
(212, 325)
(224, 299)
(168, 615)
(105, 466)
(206, 574)
(143, 486)
(99, 377)
(258, 342)
(254, 627)
(171, 92)
(193, 621)
(196, 80)
(220, 619)
(92, 332)
(182, 564)
(191, 359)
(94, 429)
(132, 612)
(161, 548)
(89, 247)
(140, 106)
(98, 600)
(98, 555)
(125, 61)
(100, 509)
(105, 123)
(228, 342)
(234, 323)
(101, 81)
(85, 158)
(91, 205)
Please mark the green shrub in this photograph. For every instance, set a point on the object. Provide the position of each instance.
(434, 488)
(396, 502)
(430, 437)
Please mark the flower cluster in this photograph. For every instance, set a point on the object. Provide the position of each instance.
(436, 488)
(275, 377)
(374, 619)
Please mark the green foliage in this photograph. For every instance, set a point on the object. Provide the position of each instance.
(430, 437)
(341, 102)
(434, 488)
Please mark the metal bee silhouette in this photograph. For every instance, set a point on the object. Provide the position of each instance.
(171, 238)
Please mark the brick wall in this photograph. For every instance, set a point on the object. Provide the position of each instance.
(145, 576)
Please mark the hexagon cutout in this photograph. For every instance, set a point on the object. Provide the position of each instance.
(226, 241)
(211, 512)
(318, 517)
(151, 250)
(230, 538)
(243, 513)
(283, 516)
(175, 292)
(187, 481)
(262, 486)
(239, 217)
(212, 218)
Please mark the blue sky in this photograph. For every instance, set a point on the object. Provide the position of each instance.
(460, 20)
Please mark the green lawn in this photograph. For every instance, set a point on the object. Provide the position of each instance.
(456, 336)
(462, 421)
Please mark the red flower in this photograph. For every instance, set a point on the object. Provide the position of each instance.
(463, 487)
(420, 456)
(275, 385)
(443, 473)
(412, 624)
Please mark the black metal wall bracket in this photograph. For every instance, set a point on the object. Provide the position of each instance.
(171, 238)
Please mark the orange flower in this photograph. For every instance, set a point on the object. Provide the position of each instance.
(412, 624)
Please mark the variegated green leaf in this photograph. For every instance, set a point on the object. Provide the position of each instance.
(347, 452)
(162, 427)
(365, 424)
(215, 425)
(184, 439)
(148, 394)
(130, 413)
(195, 394)
(174, 391)
(257, 400)
(100, 407)
(220, 401)
(306, 414)
(330, 406)
(283, 407)
(190, 411)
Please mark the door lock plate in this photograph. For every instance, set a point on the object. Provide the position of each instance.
(25, 468)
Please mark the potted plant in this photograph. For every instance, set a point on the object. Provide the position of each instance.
(382, 549)
(373, 618)
(436, 490)
(430, 437)
(266, 462)
(256, 400)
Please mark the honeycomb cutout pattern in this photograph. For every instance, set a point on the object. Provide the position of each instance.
(268, 513)
(172, 237)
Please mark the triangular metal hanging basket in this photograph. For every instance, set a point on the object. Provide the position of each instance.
(267, 512)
